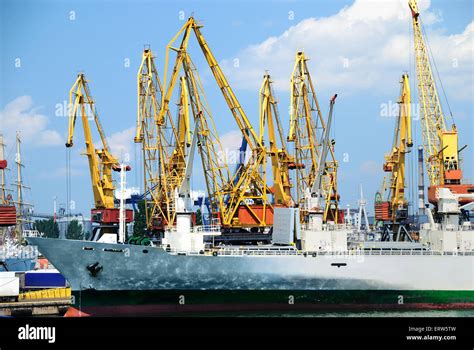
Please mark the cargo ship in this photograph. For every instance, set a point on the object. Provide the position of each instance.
(330, 270)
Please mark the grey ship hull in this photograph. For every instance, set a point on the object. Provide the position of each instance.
(137, 280)
(130, 267)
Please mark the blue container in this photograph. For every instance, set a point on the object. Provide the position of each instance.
(44, 279)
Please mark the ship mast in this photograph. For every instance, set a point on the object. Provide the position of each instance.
(21, 213)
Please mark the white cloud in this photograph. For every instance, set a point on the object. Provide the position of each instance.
(231, 142)
(50, 137)
(364, 46)
(121, 144)
(21, 115)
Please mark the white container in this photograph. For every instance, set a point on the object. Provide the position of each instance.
(9, 286)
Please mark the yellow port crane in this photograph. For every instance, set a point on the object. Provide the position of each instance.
(216, 171)
(392, 210)
(281, 160)
(163, 145)
(307, 128)
(243, 204)
(440, 144)
(101, 161)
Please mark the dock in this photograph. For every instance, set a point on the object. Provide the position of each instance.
(47, 302)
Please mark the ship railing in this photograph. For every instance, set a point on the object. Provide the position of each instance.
(331, 227)
(339, 227)
(292, 251)
(200, 229)
(395, 252)
(286, 251)
(240, 251)
(237, 252)
(207, 228)
(182, 252)
(413, 252)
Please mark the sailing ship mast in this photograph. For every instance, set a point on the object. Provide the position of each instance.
(22, 213)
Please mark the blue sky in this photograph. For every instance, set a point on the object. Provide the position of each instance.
(357, 49)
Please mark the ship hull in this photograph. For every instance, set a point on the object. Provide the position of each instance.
(141, 279)
(237, 302)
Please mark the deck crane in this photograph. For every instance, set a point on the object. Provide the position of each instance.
(247, 204)
(393, 212)
(281, 160)
(204, 201)
(164, 145)
(440, 143)
(307, 127)
(101, 161)
(316, 198)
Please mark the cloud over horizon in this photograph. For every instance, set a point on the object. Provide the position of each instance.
(20, 115)
(365, 46)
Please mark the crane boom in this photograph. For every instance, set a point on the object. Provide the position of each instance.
(402, 143)
(281, 160)
(163, 145)
(440, 144)
(326, 146)
(250, 187)
(101, 161)
(307, 129)
(216, 172)
(394, 209)
(433, 122)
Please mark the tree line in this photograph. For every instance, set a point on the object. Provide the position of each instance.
(50, 229)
